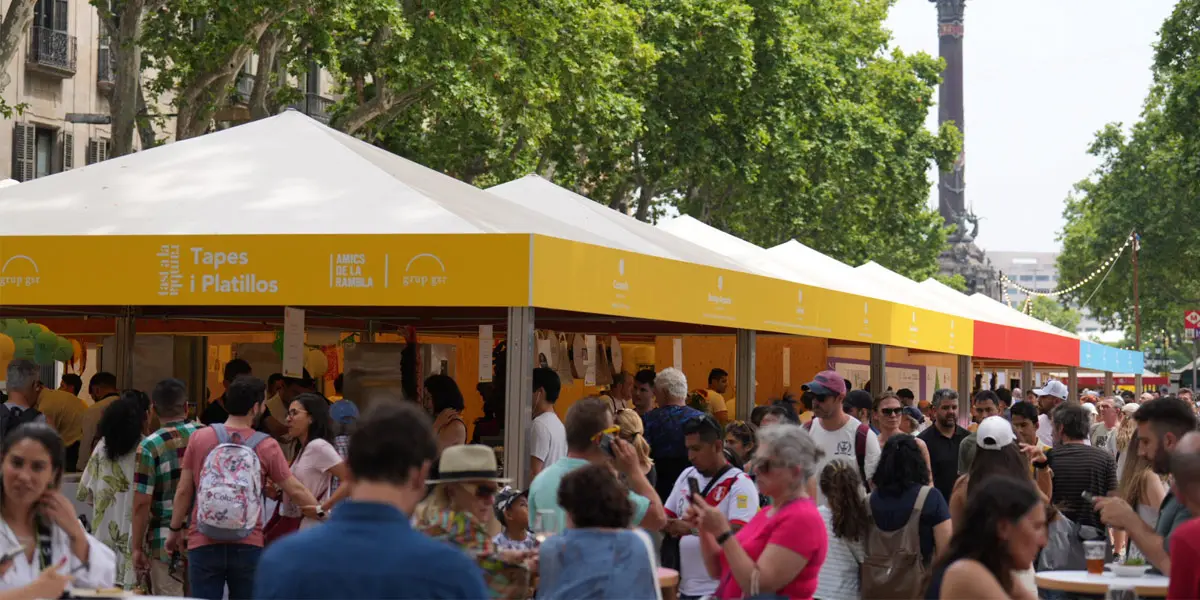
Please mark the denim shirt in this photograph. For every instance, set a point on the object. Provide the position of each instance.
(584, 564)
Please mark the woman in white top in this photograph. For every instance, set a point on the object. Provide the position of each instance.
(38, 520)
(316, 461)
(846, 522)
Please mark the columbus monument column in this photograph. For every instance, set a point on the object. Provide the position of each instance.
(963, 257)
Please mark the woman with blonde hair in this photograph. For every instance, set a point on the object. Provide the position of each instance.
(460, 512)
(632, 431)
(1140, 487)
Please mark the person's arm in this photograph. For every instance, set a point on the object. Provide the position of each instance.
(627, 461)
(1153, 490)
(1117, 513)
(958, 500)
(941, 537)
(535, 466)
(342, 472)
(676, 506)
(86, 442)
(181, 507)
(711, 553)
(871, 461)
(970, 579)
(743, 502)
(928, 463)
(141, 519)
(539, 448)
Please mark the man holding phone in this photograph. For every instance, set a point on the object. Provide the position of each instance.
(722, 485)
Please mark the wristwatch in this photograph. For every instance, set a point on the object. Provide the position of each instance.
(321, 512)
(1041, 464)
(724, 537)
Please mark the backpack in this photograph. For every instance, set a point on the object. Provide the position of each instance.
(9, 421)
(893, 567)
(229, 495)
(860, 449)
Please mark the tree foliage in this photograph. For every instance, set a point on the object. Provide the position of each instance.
(1054, 313)
(1149, 182)
(771, 120)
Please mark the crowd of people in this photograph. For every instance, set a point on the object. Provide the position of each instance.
(279, 492)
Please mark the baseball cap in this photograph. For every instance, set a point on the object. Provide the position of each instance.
(1090, 408)
(1054, 388)
(827, 383)
(505, 499)
(859, 399)
(344, 412)
(994, 433)
(915, 413)
(1130, 408)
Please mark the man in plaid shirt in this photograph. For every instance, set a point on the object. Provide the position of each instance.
(159, 463)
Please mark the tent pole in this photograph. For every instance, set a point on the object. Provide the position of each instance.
(126, 333)
(879, 381)
(964, 390)
(744, 376)
(1073, 383)
(1026, 378)
(518, 395)
(1108, 383)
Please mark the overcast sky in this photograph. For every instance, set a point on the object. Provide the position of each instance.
(1042, 76)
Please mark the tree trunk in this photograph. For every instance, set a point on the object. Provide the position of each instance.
(645, 195)
(145, 125)
(268, 51)
(12, 31)
(127, 72)
(199, 98)
(385, 102)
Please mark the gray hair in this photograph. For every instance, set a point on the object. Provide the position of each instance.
(791, 446)
(943, 395)
(22, 374)
(672, 382)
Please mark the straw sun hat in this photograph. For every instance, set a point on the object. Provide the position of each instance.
(470, 462)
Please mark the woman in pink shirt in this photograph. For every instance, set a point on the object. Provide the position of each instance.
(316, 463)
(781, 550)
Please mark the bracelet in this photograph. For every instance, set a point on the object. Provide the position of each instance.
(170, 528)
(724, 537)
(1041, 465)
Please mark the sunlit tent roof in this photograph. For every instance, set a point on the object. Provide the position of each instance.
(751, 257)
(618, 230)
(283, 175)
(1003, 314)
(920, 297)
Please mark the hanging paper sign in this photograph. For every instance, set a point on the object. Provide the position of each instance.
(485, 353)
(614, 352)
(677, 353)
(787, 366)
(589, 360)
(293, 342)
(545, 352)
(335, 367)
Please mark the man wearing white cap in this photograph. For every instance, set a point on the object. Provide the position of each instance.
(1049, 397)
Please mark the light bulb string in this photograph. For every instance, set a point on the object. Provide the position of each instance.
(1104, 268)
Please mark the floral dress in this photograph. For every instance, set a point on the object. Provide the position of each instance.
(504, 580)
(108, 486)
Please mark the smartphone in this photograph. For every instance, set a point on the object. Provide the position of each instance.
(606, 441)
(694, 487)
(1090, 497)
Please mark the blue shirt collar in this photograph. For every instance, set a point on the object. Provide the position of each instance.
(351, 510)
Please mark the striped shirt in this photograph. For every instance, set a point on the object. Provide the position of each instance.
(1079, 468)
(159, 464)
(843, 561)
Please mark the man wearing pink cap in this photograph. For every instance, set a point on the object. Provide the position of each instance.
(840, 435)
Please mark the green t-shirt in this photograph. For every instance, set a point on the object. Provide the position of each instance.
(543, 493)
(1172, 514)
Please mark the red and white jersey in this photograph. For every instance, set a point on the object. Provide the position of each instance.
(735, 495)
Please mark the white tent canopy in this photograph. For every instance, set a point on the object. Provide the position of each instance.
(287, 174)
(751, 258)
(618, 230)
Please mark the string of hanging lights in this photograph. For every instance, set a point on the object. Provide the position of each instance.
(1005, 282)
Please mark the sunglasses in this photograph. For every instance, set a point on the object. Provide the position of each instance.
(614, 430)
(891, 412)
(484, 491)
(764, 466)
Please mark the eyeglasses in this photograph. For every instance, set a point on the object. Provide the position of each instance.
(891, 412)
(295, 413)
(614, 430)
(483, 491)
(764, 465)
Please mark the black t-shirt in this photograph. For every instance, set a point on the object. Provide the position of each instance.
(1078, 468)
(892, 513)
(943, 457)
(215, 412)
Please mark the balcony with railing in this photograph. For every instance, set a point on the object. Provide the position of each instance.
(243, 88)
(105, 69)
(315, 106)
(51, 52)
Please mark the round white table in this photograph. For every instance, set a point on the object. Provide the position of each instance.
(1082, 582)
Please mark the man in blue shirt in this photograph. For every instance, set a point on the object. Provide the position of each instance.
(368, 550)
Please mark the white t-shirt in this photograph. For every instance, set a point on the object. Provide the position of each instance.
(312, 469)
(839, 577)
(839, 445)
(548, 439)
(1045, 430)
(735, 495)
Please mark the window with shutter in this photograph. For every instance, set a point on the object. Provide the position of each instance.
(68, 151)
(90, 157)
(60, 15)
(97, 150)
(24, 151)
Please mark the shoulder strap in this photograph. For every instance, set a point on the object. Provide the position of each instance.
(255, 439)
(222, 433)
(919, 505)
(808, 425)
(860, 450)
(716, 478)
